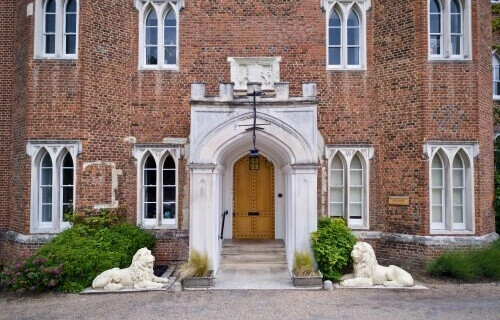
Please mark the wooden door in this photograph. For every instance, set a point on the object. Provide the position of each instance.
(253, 200)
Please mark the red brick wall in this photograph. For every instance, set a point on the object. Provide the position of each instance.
(6, 72)
(398, 103)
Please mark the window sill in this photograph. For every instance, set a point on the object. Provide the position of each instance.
(64, 58)
(156, 68)
(161, 227)
(331, 68)
(359, 228)
(450, 59)
(496, 98)
(46, 231)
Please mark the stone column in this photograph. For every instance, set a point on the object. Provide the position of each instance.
(301, 208)
(204, 214)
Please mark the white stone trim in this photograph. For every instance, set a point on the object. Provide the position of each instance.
(39, 47)
(440, 240)
(448, 150)
(56, 149)
(344, 7)
(161, 7)
(346, 153)
(445, 31)
(159, 152)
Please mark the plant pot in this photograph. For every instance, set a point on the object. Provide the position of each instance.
(199, 282)
(316, 281)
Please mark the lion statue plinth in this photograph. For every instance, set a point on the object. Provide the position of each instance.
(138, 276)
(367, 271)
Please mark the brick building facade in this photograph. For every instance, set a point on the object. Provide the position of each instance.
(386, 96)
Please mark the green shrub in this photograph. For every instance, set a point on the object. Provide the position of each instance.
(332, 245)
(77, 255)
(303, 265)
(468, 265)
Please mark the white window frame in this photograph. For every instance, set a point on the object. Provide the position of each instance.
(57, 150)
(343, 9)
(60, 31)
(161, 7)
(346, 154)
(447, 151)
(495, 64)
(466, 35)
(65, 5)
(159, 152)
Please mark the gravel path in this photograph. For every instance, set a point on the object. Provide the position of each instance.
(442, 301)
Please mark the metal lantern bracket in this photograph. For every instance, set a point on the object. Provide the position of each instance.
(254, 158)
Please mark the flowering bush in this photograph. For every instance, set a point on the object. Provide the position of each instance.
(71, 260)
(36, 273)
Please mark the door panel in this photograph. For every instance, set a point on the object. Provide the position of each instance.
(253, 200)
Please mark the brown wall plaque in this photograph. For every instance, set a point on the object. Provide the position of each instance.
(399, 201)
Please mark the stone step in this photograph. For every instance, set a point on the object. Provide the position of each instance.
(254, 258)
(226, 262)
(252, 250)
(254, 244)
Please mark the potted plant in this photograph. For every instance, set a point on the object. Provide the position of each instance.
(196, 272)
(304, 274)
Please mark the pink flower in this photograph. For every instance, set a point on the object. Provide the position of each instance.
(55, 271)
(52, 283)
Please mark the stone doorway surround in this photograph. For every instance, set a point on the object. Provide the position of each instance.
(219, 138)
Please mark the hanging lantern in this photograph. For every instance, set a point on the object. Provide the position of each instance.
(254, 159)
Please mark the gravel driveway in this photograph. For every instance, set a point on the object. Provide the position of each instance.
(442, 301)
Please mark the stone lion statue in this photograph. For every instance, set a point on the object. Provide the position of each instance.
(367, 271)
(139, 275)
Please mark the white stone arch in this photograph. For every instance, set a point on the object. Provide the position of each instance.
(293, 147)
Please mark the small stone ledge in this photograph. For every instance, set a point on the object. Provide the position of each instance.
(21, 238)
(453, 240)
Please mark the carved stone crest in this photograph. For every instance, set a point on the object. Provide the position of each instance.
(265, 70)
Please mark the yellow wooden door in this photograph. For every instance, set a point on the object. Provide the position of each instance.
(253, 200)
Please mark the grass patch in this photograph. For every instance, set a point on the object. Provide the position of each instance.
(303, 265)
(197, 266)
(469, 265)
